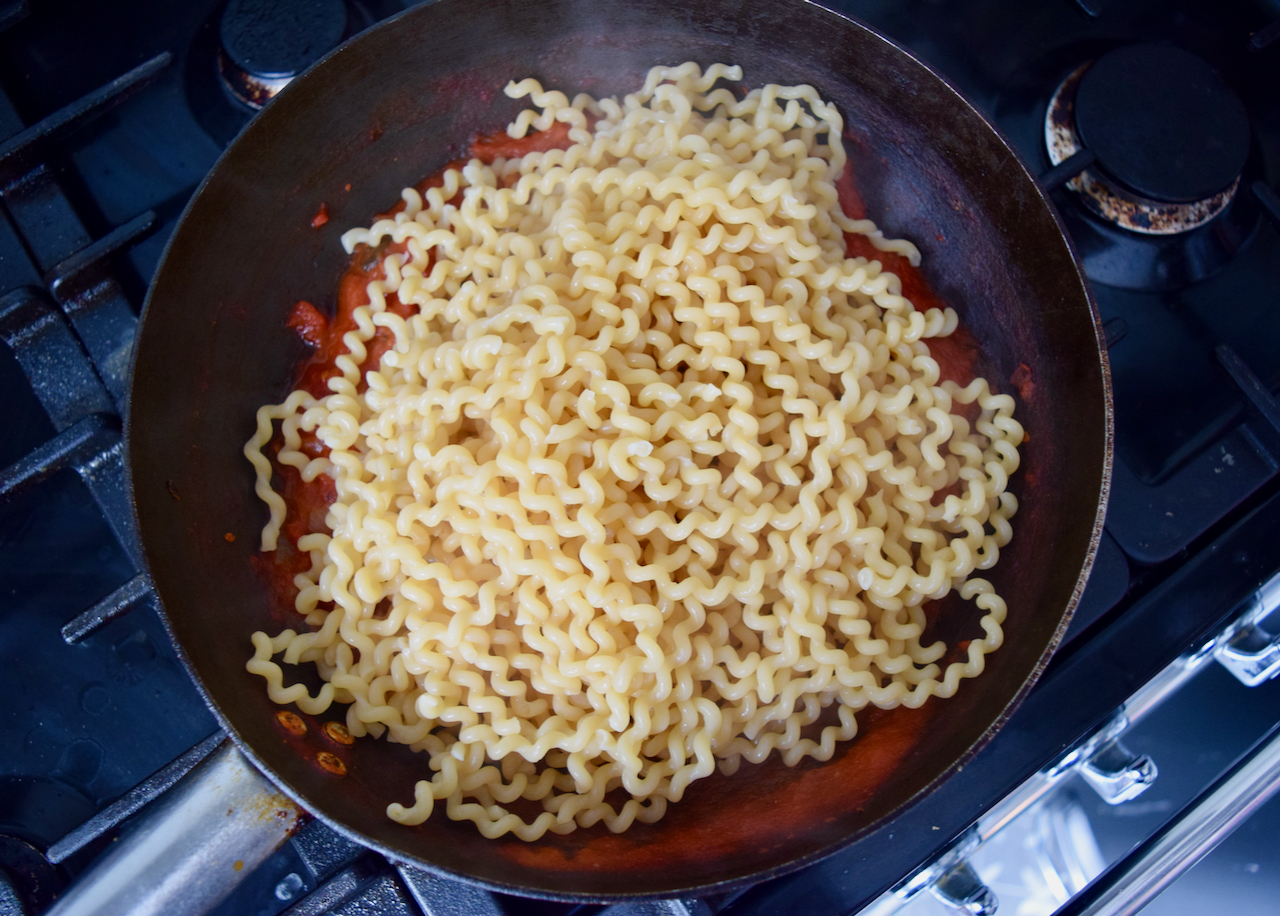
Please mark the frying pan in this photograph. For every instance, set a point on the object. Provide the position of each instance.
(395, 105)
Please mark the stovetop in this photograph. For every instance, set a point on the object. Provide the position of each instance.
(110, 115)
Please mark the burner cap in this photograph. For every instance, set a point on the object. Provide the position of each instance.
(1162, 122)
(28, 882)
(274, 39)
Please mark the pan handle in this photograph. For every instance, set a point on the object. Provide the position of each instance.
(189, 850)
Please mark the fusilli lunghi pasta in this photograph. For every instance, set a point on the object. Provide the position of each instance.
(655, 477)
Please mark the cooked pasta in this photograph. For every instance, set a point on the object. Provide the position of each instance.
(655, 479)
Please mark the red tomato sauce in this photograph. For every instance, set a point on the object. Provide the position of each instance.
(306, 505)
(497, 145)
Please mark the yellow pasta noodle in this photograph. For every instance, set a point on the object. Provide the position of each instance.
(652, 481)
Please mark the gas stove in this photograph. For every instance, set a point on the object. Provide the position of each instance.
(1156, 126)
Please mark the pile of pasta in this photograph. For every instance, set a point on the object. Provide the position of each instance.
(656, 479)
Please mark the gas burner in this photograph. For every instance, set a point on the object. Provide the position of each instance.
(28, 883)
(266, 43)
(244, 53)
(1170, 137)
(1170, 141)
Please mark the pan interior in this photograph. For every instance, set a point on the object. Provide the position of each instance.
(400, 102)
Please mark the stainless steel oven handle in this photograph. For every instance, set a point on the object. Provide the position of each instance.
(1250, 647)
(1134, 881)
(962, 890)
(1117, 774)
(187, 851)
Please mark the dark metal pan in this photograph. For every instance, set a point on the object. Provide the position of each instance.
(397, 104)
